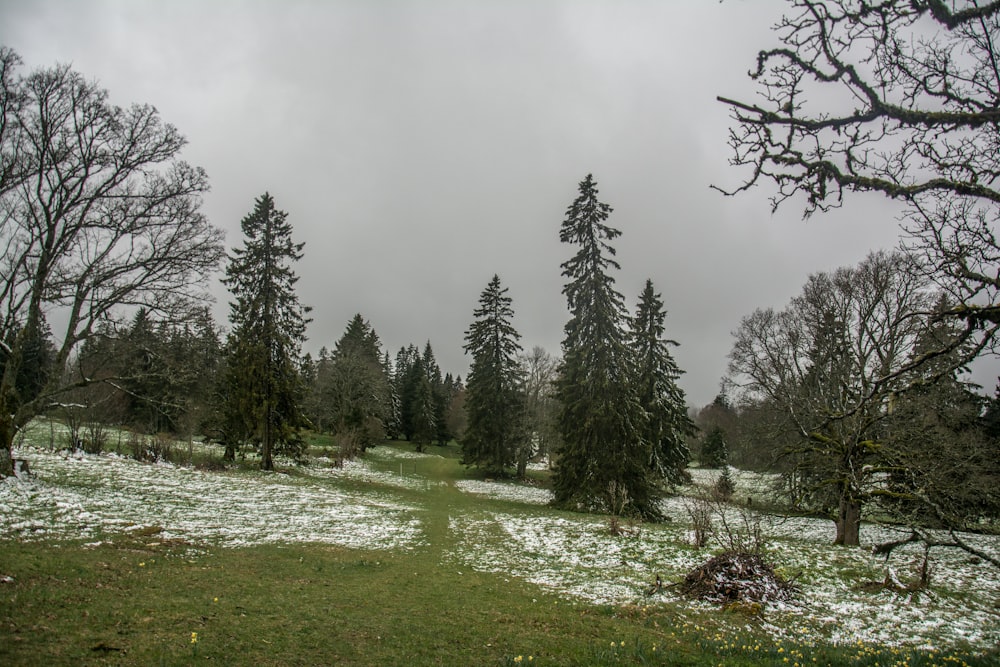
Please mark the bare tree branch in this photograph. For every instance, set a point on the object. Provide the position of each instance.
(102, 217)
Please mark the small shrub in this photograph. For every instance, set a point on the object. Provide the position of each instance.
(740, 531)
(150, 449)
(163, 447)
(725, 486)
(136, 444)
(96, 438)
(699, 510)
(348, 444)
(735, 529)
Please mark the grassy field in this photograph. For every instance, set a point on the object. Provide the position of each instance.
(403, 559)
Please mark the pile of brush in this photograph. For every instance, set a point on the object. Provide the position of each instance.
(733, 576)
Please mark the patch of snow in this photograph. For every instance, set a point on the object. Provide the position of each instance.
(578, 557)
(519, 493)
(384, 452)
(540, 465)
(82, 496)
(361, 470)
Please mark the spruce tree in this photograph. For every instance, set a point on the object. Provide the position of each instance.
(667, 425)
(494, 402)
(603, 463)
(943, 465)
(422, 405)
(268, 331)
(405, 384)
(357, 394)
(415, 375)
(714, 450)
(439, 398)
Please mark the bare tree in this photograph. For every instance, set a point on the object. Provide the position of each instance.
(540, 372)
(13, 166)
(899, 97)
(97, 216)
(822, 362)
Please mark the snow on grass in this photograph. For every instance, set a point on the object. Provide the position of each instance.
(362, 471)
(383, 452)
(540, 465)
(761, 487)
(958, 608)
(81, 496)
(518, 493)
(578, 557)
(78, 496)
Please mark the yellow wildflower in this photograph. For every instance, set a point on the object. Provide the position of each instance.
(194, 637)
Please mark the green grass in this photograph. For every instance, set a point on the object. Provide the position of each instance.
(136, 599)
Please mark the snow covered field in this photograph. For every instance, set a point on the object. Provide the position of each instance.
(580, 558)
(77, 496)
(80, 496)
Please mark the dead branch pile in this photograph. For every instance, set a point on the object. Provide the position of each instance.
(737, 577)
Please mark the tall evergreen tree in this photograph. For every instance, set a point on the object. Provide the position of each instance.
(356, 390)
(417, 405)
(268, 331)
(145, 374)
(667, 425)
(394, 423)
(439, 396)
(421, 405)
(404, 384)
(604, 460)
(200, 354)
(495, 437)
(315, 375)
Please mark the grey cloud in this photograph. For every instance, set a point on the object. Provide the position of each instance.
(420, 147)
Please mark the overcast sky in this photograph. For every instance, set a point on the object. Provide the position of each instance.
(421, 147)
